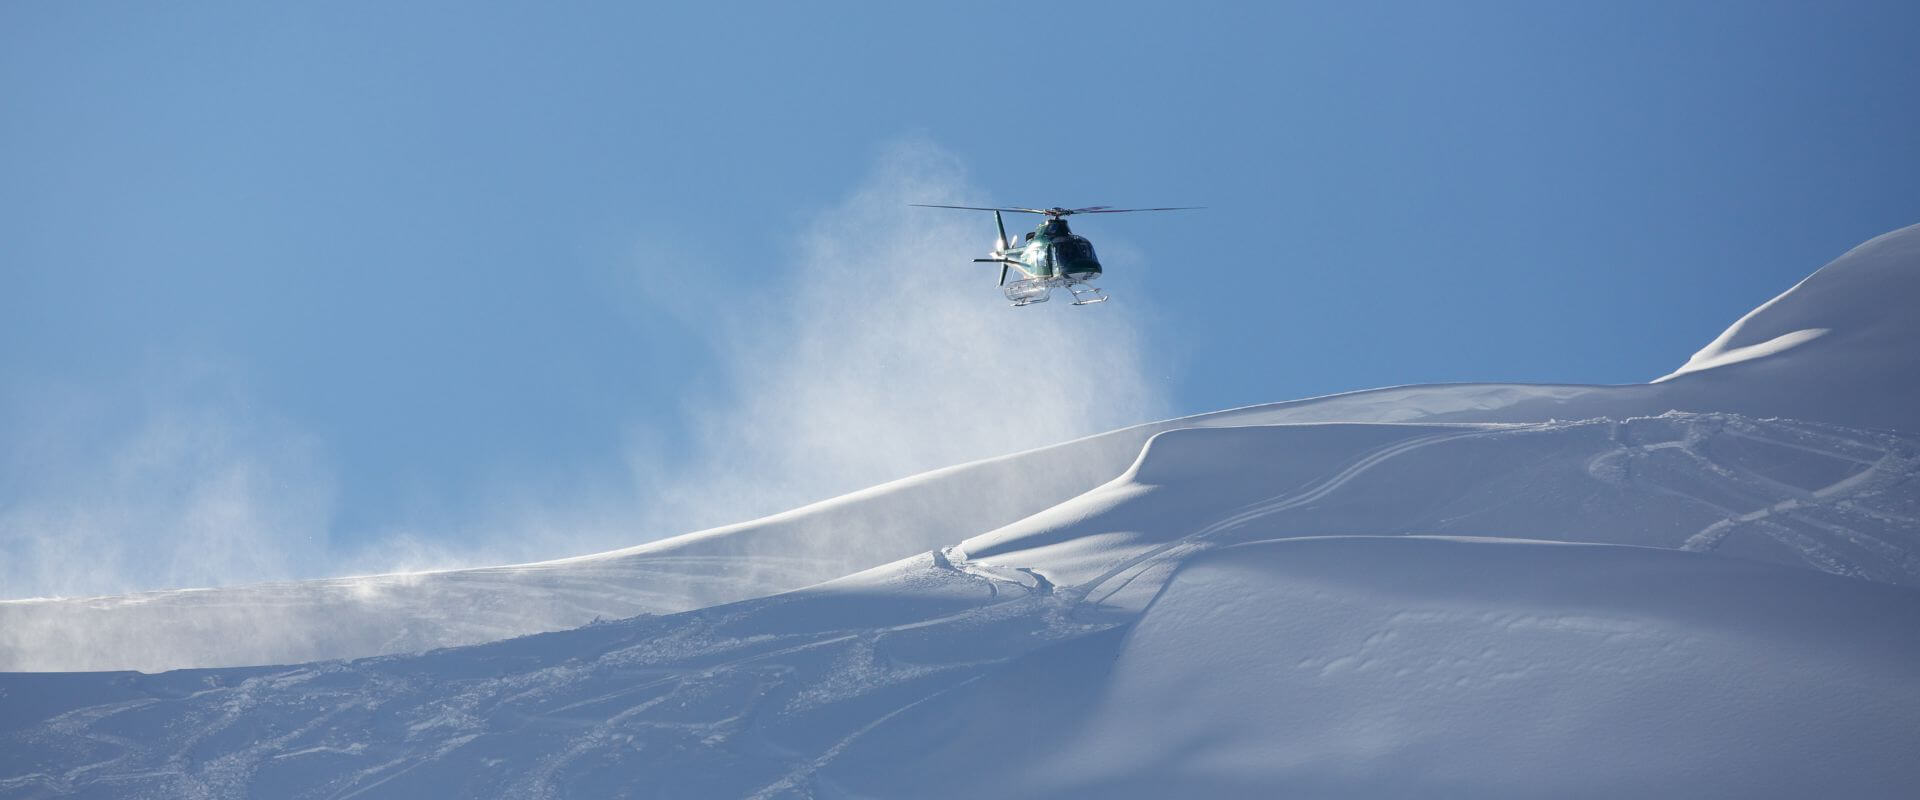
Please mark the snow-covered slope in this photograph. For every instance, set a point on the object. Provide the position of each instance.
(374, 615)
(1832, 499)
(1344, 667)
(1409, 667)
(1467, 590)
(1837, 347)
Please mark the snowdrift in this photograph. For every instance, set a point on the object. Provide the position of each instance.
(1395, 667)
(1319, 667)
(1704, 586)
(1839, 346)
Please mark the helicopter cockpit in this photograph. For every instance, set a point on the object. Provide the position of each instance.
(1073, 256)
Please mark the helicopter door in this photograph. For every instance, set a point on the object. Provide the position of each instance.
(1043, 261)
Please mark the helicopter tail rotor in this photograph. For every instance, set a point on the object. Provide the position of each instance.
(1000, 245)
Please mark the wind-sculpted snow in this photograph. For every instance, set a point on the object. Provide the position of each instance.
(1833, 499)
(355, 617)
(1841, 346)
(1413, 667)
(374, 615)
(1022, 648)
(726, 701)
(1328, 667)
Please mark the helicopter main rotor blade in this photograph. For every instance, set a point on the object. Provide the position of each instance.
(978, 208)
(1100, 210)
(1060, 212)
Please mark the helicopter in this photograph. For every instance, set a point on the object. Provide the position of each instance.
(1051, 257)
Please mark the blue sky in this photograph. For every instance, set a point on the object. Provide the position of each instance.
(296, 290)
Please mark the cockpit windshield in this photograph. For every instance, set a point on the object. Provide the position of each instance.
(1072, 251)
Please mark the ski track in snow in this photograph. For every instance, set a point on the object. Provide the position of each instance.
(1274, 505)
(1882, 462)
(954, 558)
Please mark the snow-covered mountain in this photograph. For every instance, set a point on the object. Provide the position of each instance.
(1702, 586)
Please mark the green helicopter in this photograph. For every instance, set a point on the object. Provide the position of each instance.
(1051, 257)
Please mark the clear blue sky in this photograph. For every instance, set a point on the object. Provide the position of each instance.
(402, 239)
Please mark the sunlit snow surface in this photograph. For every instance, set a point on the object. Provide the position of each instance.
(1152, 634)
(1472, 591)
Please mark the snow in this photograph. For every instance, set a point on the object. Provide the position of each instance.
(1720, 355)
(381, 614)
(1837, 347)
(1859, 295)
(1815, 496)
(1396, 666)
(1707, 586)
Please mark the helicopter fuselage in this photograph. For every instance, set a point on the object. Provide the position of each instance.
(1050, 257)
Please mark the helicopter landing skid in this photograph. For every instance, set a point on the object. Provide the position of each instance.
(1086, 294)
(1037, 290)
